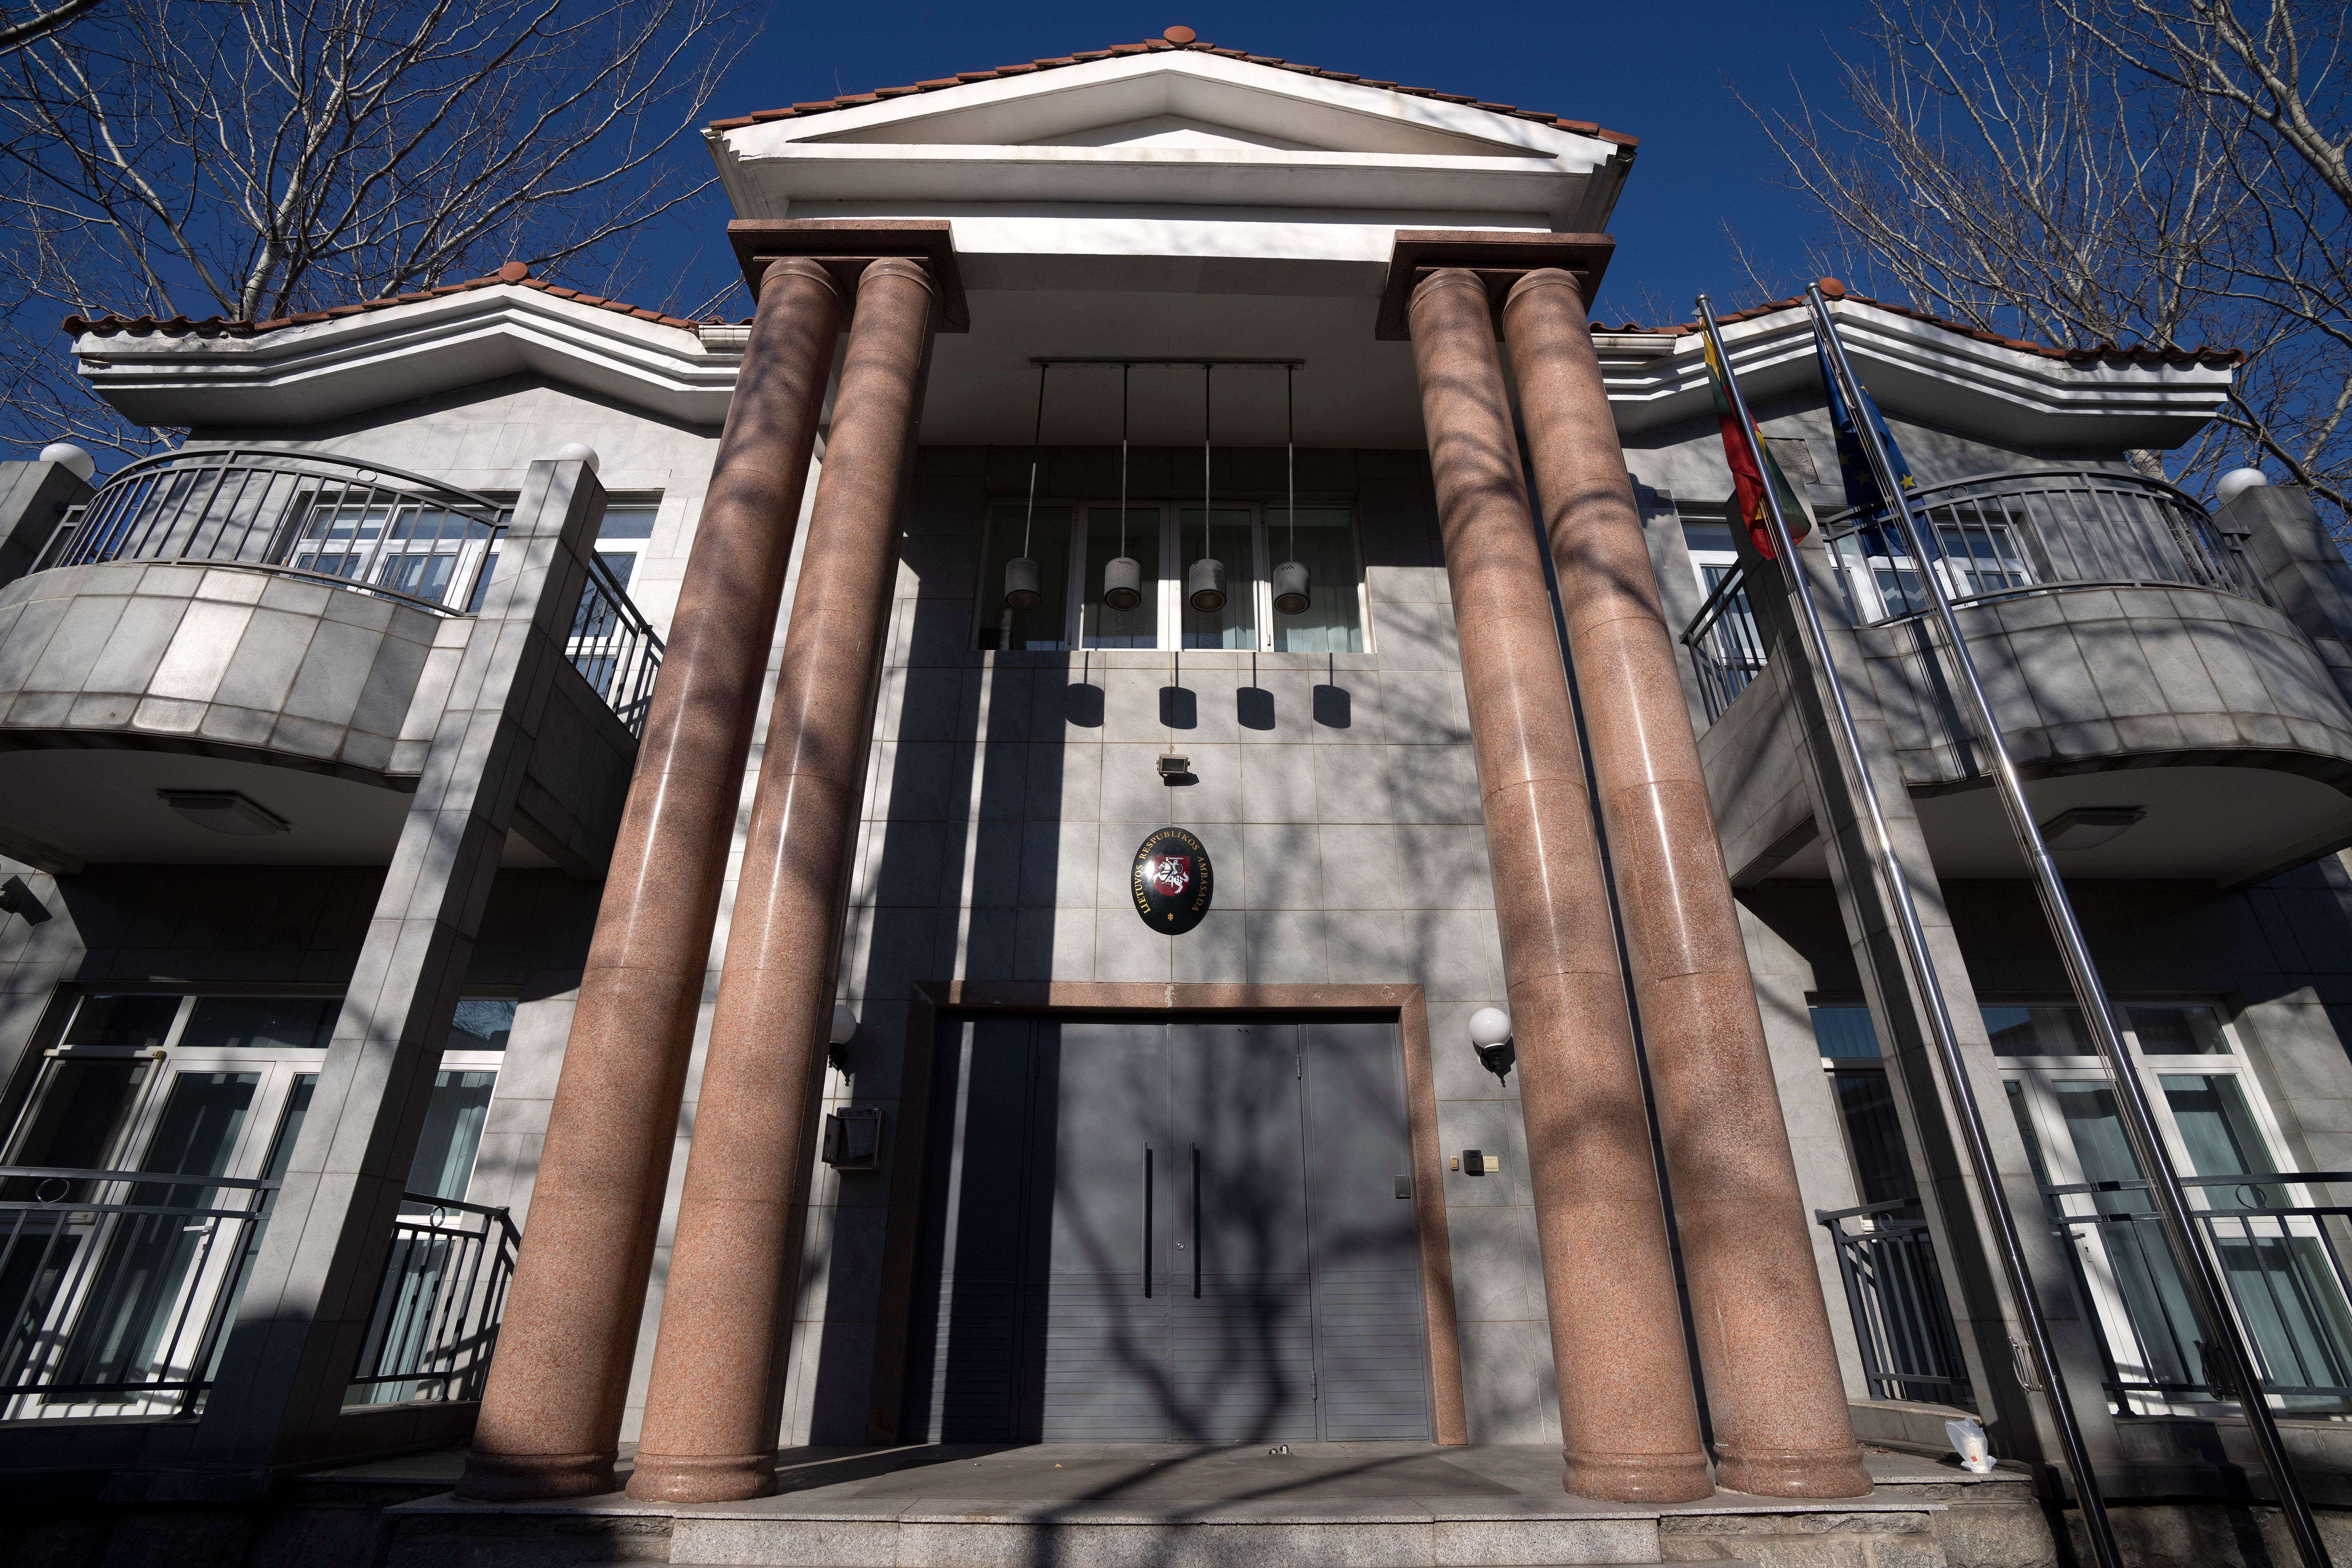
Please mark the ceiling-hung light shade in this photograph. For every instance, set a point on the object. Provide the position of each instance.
(1290, 588)
(1023, 583)
(1122, 582)
(1204, 586)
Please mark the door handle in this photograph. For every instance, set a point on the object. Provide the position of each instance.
(1196, 1222)
(1147, 1219)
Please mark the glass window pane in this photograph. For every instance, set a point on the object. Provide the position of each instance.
(481, 1023)
(137, 1021)
(264, 1022)
(197, 1133)
(453, 1132)
(83, 1108)
(290, 1128)
(1845, 1032)
(2045, 1031)
(2216, 1125)
(1227, 538)
(2024, 1114)
(2170, 1031)
(1101, 625)
(1045, 628)
(628, 520)
(1702, 536)
(2096, 1129)
(1325, 541)
(1881, 1170)
(621, 563)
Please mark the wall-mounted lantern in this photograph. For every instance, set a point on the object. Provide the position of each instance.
(1490, 1036)
(844, 1029)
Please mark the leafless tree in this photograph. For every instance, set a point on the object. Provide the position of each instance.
(2081, 173)
(254, 158)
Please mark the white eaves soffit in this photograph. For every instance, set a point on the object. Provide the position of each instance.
(1174, 154)
(326, 370)
(1928, 372)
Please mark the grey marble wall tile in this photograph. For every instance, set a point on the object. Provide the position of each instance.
(1278, 783)
(1281, 867)
(1360, 866)
(1444, 866)
(1352, 784)
(1286, 947)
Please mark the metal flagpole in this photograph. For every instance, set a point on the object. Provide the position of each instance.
(2208, 1296)
(1931, 991)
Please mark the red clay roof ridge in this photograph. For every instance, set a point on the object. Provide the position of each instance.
(2140, 354)
(1168, 42)
(512, 274)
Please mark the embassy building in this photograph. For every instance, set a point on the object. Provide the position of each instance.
(1150, 875)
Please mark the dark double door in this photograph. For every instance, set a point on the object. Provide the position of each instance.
(1167, 1232)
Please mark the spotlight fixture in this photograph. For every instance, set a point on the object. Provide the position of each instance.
(224, 811)
(2090, 826)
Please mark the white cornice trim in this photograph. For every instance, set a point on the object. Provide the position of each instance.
(1933, 373)
(326, 370)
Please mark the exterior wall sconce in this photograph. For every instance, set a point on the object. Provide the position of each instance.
(1290, 584)
(1490, 1036)
(844, 1029)
(1022, 579)
(1122, 582)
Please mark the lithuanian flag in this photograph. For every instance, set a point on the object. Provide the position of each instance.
(1740, 449)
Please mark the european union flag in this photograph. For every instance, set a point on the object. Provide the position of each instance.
(1862, 491)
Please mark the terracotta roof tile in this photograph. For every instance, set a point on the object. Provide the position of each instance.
(1155, 46)
(2142, 353)
(515, 273)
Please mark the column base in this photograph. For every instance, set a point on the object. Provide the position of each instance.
(1783, 1472)
(533, 1478)
(1638, 1478)
(703, 1478)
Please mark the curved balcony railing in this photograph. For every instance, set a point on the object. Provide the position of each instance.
(1999, 536)
(360, 525)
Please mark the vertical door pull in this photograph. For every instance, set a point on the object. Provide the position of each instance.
(1196, 1222)
(1147, 1219)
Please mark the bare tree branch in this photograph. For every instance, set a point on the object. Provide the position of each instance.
(256, 158)
(2163, 171)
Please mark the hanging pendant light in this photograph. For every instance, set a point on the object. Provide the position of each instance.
(1122, 574)
(1292, 593)
(1025, 580)
(1204, 584)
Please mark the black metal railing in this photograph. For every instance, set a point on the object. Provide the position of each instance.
(362, 525)
(435, 1320)
(2281, 1259)
(1726, 648)
(116, 1287)
(1902, 1323)
(2005, 534)
(613, 646)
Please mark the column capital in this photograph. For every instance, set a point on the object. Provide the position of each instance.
(1498, 258)
(843, 247)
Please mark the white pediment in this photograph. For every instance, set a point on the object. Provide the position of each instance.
(1228, 102)
(1159, 155)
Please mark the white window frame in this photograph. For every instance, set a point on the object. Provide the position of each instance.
(1173, 560)
(2037, 1076)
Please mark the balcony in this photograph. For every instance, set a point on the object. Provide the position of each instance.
(2117, 629)
(287, 626)
(117, 1289)
(2002, 536)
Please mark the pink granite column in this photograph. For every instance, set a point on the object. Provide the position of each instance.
(1628, 1425)
(1774, 1392)
(550, 1417)
(727, 1311)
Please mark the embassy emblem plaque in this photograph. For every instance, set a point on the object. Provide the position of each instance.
(1173, 882)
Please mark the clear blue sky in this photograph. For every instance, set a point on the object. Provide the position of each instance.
(1660, 71)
